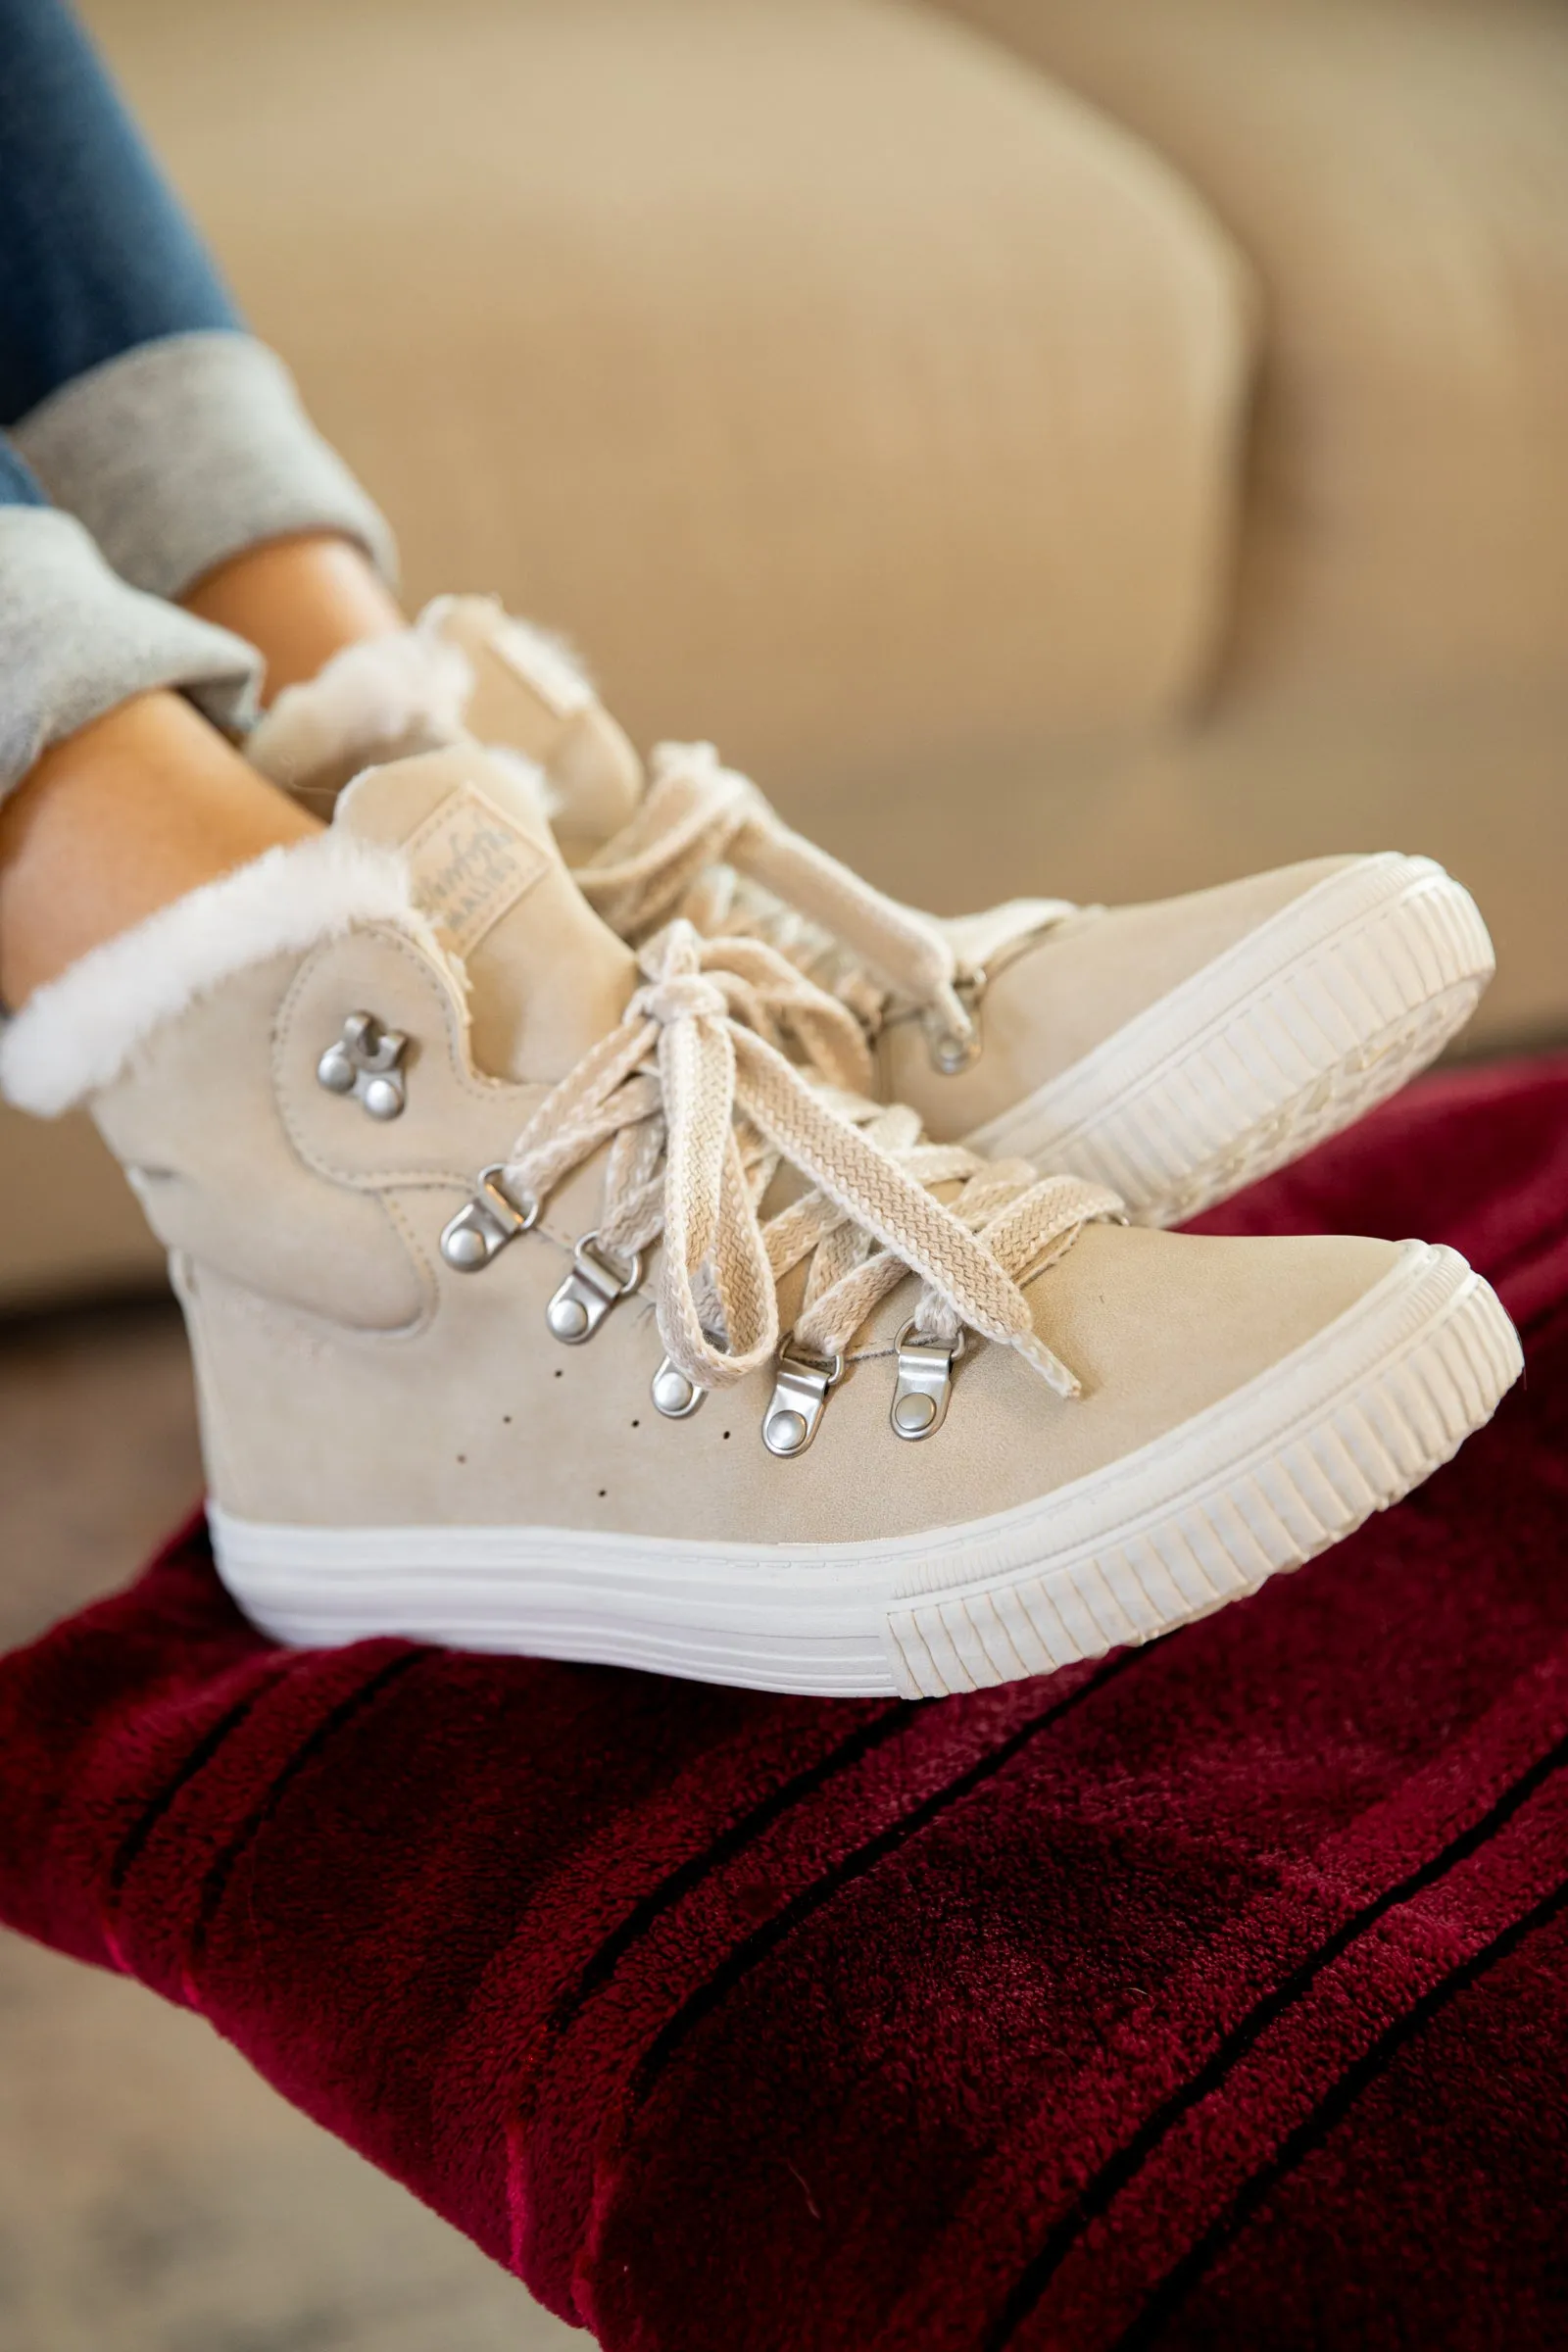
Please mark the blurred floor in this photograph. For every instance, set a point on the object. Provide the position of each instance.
(155, 2197)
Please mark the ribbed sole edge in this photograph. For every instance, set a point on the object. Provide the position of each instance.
(1204, 1515)
(1267, 1513)
(1254, 1061)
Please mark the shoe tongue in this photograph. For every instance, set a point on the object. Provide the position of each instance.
(546, 979)
(529, 695)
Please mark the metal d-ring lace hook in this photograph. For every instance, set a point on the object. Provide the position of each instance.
(802, 1385)
(926, 1382)
(363, 1062)
(952, 1049)
(491, 1219)
(596, 1281)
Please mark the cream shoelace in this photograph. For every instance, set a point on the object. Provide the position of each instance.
(699, 1104)
(707, 845)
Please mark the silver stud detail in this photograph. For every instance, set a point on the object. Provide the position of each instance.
(596, 1281)
(802, 1385)
(673, 1394)
(363, 1062)
(924, 1384)
(568, 1319)
(954, 1049)
(491, 1219)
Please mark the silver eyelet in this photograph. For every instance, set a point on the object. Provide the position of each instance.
(577, 1308)
(363, 1062)
(802, 1385)
(924, 1384)
(674, 1395)
(491, 1219)
(954, 1049)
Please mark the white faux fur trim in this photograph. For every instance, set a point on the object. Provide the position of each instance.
(407, 693)
(77, 1035)
(390, 694)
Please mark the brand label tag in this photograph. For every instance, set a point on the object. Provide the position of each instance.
(470, 864)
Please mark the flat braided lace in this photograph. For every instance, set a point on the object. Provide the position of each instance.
(700, 1103)
(706, 844)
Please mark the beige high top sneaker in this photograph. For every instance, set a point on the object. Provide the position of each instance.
(1175, 1050)
(541, 1301)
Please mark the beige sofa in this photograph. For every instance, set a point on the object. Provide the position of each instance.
(1087, 447)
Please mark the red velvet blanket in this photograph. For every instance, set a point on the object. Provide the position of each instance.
(1211, 1995)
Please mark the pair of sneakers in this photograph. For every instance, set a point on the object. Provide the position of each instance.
(609, 1228)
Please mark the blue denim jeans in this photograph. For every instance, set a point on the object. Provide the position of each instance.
(133, 400)
(96, 254)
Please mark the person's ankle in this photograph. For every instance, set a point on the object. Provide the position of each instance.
(118, 820)
(299, 600)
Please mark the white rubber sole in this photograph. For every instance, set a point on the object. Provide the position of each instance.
(1257, 1484)
(1324, 1010)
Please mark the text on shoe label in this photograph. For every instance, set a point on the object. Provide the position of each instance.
(470, 866)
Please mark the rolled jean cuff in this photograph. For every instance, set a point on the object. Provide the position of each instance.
(187, 451)
(75, 642)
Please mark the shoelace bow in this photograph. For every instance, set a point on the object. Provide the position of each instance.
(706, 844)
(700, 1103)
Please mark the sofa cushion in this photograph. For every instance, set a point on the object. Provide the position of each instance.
(1398, 171)
(837, 381)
